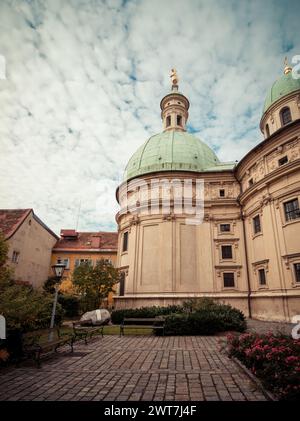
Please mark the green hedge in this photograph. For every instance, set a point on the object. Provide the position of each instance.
(117, 316)
(205, 322)
(195, 317)
(70, 305)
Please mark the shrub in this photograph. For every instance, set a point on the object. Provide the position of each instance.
(275, 359)
(204, 316)
(70, 304)
(27, 309)
(117, 316)
(196, 304)
(194, 317)
(205, 321)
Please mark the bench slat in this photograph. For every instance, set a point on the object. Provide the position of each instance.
(142, 323)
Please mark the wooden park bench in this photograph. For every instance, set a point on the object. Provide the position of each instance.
(156, 323)
(85, 329)
(44, 342)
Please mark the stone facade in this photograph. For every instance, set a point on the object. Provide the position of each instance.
(30, 245)
(245, 250)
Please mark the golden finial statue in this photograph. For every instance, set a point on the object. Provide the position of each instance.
(174, 77)
(287, 67)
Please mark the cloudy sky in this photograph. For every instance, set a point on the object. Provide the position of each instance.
(84, 79)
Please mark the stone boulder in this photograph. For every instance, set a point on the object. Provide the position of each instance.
(97, 317)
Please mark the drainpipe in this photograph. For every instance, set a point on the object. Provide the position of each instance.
(247, 267)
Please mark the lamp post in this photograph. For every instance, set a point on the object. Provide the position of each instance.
(58, 270)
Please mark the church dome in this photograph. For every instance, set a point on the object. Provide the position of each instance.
(173, 150)
(283, 86)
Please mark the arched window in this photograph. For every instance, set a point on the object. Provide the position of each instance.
(267, 130)
(168, 123)
(179, 120)
(285, 116)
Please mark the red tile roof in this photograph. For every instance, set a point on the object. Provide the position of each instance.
(87, 241)
(11, 220)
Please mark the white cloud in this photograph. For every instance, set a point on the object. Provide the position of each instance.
(72, 113)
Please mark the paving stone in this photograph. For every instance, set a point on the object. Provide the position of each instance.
(133, 368)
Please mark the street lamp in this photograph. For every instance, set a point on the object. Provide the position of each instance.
(58, 270)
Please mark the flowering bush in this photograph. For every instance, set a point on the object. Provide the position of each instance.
(275, 359)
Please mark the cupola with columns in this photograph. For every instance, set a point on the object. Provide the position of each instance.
(174, 107)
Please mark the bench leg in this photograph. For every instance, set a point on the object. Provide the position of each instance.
(37, 358)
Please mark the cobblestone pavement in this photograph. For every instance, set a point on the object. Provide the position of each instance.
(133, 368)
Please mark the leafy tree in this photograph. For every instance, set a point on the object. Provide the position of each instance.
(49, 285)
(95, 283)
(23, 307)
(27, 309)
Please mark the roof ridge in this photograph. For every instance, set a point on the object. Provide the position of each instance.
(172, 147)
(144, 146)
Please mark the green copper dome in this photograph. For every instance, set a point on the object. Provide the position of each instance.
(282, 87)
(172, 150)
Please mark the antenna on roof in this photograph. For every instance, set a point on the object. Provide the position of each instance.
(79, 208)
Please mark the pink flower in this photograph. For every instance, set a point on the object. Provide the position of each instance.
(291, 359)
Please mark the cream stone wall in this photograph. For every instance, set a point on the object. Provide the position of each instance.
(34, 243)
(169, 260)
(277, 247)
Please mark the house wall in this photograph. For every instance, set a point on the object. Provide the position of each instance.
(34, 243)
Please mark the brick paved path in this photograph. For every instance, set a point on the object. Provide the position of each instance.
(133, 368)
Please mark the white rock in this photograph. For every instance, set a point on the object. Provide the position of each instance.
(99, 317)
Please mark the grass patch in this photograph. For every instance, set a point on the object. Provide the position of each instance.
(115, 330)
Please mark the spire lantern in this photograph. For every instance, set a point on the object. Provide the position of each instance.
(174, 107)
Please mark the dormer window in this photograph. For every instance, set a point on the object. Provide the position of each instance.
(179, 120)
(168, 122)
(285, 116)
